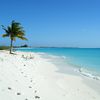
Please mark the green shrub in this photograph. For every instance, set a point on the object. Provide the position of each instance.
(4, 47)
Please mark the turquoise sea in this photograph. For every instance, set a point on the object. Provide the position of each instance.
(86, 60)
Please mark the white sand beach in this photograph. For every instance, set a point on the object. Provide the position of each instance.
(35, 77)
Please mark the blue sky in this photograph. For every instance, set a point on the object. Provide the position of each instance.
(70, 23)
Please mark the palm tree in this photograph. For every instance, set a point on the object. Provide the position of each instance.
(13, 31)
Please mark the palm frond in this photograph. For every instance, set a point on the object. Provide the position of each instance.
(14, 30)
(7, 31)
(5, 35)
(22, 38)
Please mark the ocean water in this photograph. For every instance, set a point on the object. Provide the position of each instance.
(86, 60)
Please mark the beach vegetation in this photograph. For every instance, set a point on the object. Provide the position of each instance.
(4, 47)
(13, 31)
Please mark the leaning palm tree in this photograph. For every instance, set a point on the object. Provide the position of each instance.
(13, 31)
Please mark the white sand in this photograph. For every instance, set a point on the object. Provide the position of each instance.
(36, 78)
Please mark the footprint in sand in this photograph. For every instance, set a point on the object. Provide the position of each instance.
(18, 93)
(9, 88)
(37, 97)
(16, 80)
(30, 87)
(3, 90)
(22, 72)
(25, 76)
(31, 81)
(35, 91)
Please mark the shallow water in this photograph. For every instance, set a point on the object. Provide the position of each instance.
(86, 60)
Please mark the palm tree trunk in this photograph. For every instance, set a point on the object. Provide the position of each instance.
(11, 45)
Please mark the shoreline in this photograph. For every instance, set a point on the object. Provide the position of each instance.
(31, 77)
(69, 69)
(62, 63)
